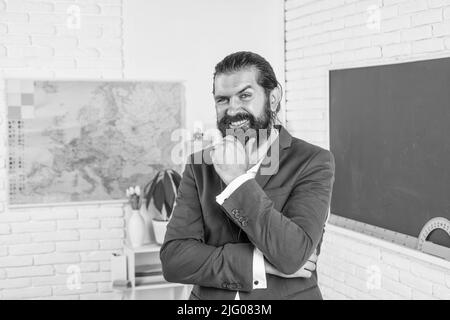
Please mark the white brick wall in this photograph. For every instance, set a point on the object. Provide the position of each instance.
(328, 34)
(36, 260)
(39, 245)
(322, 35)
(353, 267)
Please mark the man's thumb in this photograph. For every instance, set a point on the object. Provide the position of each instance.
(249, 146)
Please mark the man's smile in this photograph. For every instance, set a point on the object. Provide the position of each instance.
(239, 124)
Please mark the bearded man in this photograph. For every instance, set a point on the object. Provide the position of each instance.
(249, 219)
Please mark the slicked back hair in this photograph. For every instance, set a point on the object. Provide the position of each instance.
(244, 60)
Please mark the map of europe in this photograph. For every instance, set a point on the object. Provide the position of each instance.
(87, 141)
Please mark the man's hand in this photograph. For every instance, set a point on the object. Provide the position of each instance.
(304, 272)
(230, 158)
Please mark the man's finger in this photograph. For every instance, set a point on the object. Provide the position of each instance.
(235, 150)
(302, 273)
(249, 145)
(313, 257)
(231, 139)
(217, 146)
(311, 266)
(308, 274)
(214, 136)
(217, 154)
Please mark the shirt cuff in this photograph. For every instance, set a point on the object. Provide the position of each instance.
(259, 270)
(236, 183)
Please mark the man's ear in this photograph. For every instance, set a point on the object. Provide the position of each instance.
(275, 98)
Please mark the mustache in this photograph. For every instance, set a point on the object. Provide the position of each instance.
(227, 119)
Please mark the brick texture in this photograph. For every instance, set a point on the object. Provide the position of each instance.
(322, 35)
(40, 247)
(350, 268)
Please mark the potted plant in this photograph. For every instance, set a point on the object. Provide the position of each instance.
(135, 227)
(160, 195)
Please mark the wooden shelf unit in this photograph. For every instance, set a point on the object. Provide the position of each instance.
(157, 288)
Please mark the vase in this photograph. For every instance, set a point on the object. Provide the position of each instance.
(159, 228)
(136, 229)
(147, 225)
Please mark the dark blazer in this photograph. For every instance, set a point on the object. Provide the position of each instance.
(283, 215)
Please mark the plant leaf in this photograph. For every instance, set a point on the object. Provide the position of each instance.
(148, 194)
(168, 191)
(176, 179)
(175, 191)
(158, 195)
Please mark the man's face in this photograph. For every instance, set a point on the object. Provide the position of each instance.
(241, 103)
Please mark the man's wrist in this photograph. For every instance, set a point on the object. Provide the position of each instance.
(234, 177)
(232, 186)
(259, 270)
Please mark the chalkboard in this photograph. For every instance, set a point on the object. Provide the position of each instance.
(390, 135)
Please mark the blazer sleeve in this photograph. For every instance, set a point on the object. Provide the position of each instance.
(187, 259)
(288, 238)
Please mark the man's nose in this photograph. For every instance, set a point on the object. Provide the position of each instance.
(235, 106)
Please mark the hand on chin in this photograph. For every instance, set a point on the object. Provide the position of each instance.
(230, 158)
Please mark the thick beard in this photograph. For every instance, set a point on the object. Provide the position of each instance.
(262, 123)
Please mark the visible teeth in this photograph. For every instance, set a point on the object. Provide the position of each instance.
(238, 123)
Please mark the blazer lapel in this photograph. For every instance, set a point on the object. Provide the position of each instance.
(277, 151)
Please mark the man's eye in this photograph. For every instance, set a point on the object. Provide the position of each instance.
(221, 101)
(245, 96)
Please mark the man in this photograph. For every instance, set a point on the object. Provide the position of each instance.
(241, 229)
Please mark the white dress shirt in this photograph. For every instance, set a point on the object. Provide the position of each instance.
(259, 271)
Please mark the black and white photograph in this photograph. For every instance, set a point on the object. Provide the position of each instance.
(225, 150)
